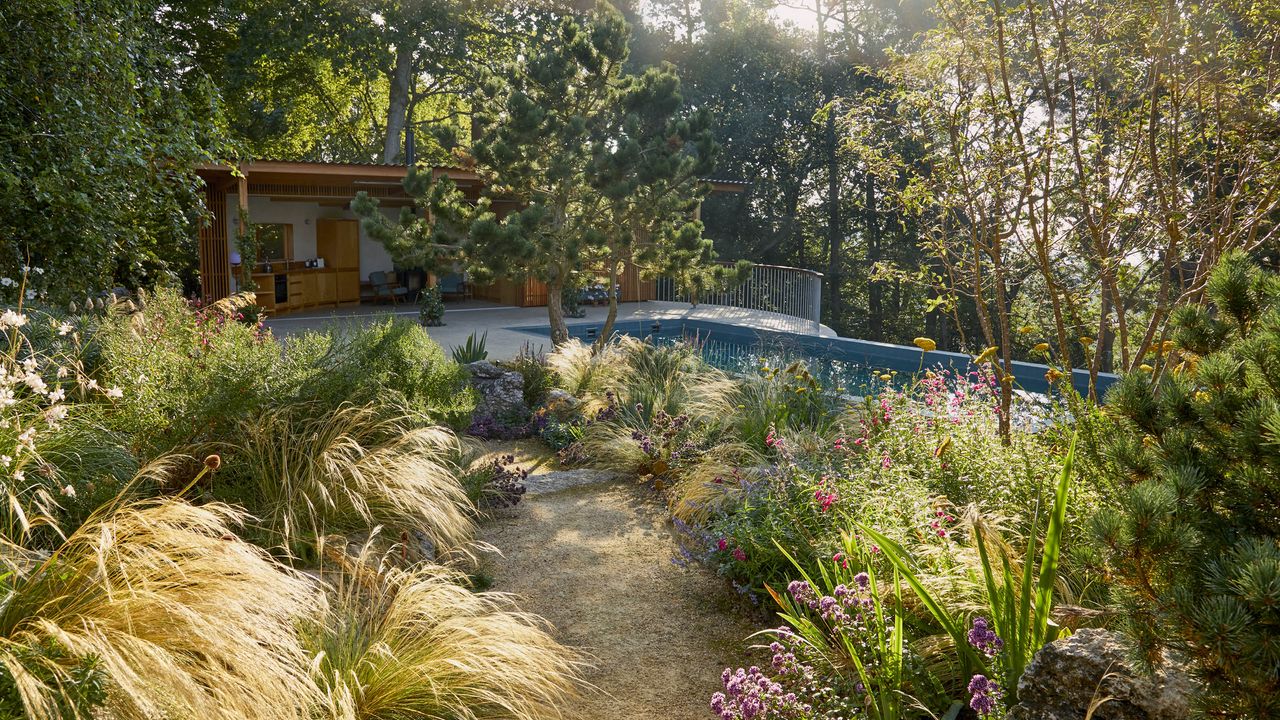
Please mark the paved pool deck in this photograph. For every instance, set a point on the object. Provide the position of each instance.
(463, 318)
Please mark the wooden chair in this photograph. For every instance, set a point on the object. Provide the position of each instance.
(385, 289)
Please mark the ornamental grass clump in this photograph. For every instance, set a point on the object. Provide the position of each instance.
(416, 643)
(304, 472)
(154, 609)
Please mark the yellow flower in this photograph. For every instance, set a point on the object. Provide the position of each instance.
(886, 377)
(1026, 329)
(1041, 348)
(1166, 346)
(926, 344)
(987, 355)
(1053, 375)
(1202, 396)
(1086, 340)
(1146, 368)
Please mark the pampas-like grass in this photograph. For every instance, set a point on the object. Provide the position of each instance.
(403, 644)
(183, 619)
(354, 468)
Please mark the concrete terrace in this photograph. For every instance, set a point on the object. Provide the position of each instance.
(463, 318)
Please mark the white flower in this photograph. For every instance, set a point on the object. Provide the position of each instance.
(19, 476)
(31, 294)
(11, 319)
(90, 384)
(62, 372)
(8, 282)
(5, 460)
(29, 364)
(69, 491)
(36, 383)
(39, 270)
(27, 438)
(6, 397)
(55, 414)
(115, 392)
(58, 395)
(65, 328)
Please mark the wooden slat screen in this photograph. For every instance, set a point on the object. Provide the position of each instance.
(215, 263)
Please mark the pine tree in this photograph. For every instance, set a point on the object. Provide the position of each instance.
(1195, 550)
(585, 168)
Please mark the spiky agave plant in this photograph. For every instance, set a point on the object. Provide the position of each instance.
(159, 610)
(303, 473)
(401, 643)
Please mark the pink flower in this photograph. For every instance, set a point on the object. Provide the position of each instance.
(886, 463)
(739, 555)
(723, 544)
(839, 559)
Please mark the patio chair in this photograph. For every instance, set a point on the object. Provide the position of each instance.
(454, 284)
(384, 289)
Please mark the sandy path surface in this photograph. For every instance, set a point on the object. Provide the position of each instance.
(593, 555)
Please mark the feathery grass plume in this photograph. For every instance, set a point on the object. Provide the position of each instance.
(674, 379)
(583, 372)
(304, 472)
(168, 609)
(714, 483)
(399, 644)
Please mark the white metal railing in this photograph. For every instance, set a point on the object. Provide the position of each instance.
(773, 288)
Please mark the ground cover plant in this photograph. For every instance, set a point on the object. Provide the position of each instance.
(130, 589)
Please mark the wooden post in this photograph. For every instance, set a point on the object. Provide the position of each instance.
(242, 193)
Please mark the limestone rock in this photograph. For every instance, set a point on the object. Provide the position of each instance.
(1068, 675)
(501, 394)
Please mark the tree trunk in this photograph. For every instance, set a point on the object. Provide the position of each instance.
(555, 312)
(607, 331)
(832, 158)
(875, 306)
(398, 104)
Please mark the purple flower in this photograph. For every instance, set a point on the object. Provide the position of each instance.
(862, 580)
(985, 694)
(982, 637)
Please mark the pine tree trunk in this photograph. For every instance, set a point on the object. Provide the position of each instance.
(397, 104)
(555, 313)
(606, 332)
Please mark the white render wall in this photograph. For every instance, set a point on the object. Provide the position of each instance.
(303, 216)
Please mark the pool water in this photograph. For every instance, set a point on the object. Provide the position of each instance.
(855, 367)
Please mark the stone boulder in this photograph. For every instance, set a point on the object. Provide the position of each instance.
(501, 392)
(1067, 676)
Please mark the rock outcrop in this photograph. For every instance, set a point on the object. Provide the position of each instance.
(1090, 669)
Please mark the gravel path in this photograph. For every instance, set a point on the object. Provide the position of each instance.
(592, 554)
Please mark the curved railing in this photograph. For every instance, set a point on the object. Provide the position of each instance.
(795, 292)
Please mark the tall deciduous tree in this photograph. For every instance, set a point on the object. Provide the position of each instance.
(99, 134)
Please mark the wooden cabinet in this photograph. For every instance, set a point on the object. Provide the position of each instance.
(326, 287)
(338, 242)
(348, 286)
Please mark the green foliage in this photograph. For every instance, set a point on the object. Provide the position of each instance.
(537, 378)
(1194, 546)
(1019, 604)
(431, 307)
(378, 362)
(99, 134)
(184, 377)
(473, 350)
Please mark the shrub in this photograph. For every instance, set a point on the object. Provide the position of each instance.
(538, 378)
(184, 376)
(304, 472)
(379, 361)
(416, 643)
(1195, 545)
(107, 612)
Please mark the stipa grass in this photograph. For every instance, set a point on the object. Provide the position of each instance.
(305, 473)
(398, 644)
(167, 611)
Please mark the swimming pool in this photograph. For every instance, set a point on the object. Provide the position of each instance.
(856, 366)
